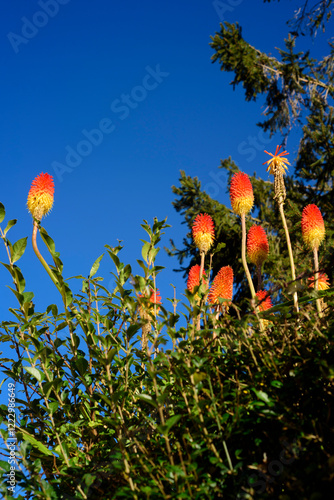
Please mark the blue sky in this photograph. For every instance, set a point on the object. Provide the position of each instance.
(113, 99)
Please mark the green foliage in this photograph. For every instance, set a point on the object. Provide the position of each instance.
(192, 415)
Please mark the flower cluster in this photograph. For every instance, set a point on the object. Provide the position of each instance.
(194, 280)
(222, 287)
(241, 193)
(203, 232)
(313, 227)
(257, 245)
(40, 197)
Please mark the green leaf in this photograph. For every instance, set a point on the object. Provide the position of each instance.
(148, 399)
(48, 241)
(34, 372)
(27, 296)
(145, 249)
(263, 396)
(68, 295)
(95, 266)
(19, 248)
(53, 407)
(37, 444)
(2, 212)
(81, 365)
(10, 224)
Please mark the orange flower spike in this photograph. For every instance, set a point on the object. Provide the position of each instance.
(222, 286)
(155, 297)
(203, 231)
(264, 300)
(313, 227)
(277, 161)
(323, 282)
(241, 193)
(40, 197)
(257, 245)
(193, 278)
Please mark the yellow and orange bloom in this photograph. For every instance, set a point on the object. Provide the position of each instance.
(155, 297)
(257, 245)
(264, 300)
(241, 193)
(277, 163)
(222, 288)
(323, 281)
(203, 231)
(193, 278)
(40, 197)
(313, 227)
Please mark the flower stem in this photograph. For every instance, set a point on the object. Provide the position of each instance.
(259, 278)
(248, 274)
(292, 265)
(243, 256)
(41, 259)
(316, 279)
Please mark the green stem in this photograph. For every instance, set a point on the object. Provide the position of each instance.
(259, 278)
(200, 280)
(248, 274)
(41, 259)
(243, 256)
(316, 279)
(292, 264)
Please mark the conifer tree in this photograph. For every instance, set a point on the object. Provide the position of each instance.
(299, 92)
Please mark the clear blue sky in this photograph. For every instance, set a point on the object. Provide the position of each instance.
(141, 73)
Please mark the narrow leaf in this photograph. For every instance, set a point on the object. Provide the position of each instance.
(95, 266)
(2, 212)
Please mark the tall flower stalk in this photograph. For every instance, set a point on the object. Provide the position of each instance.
(257, 250)
(277, 165)
(39, 203)
(242, 200)
(313, 231)
(203, 231)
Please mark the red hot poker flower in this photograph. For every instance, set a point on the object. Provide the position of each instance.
(203, 232)
(155, 298)
(193, 278)
(241, 193)
(277, 163)
(257, 245)
(323, 282)
(40, 197)
(313, 227)
(222, 287)
(264, 300)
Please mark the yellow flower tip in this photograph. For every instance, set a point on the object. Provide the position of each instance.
(222, 287)
(277, 162)
(313, 227)
(257, 245)
(323, 281)
(40, 197)
(241, 193)
(203, 231)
